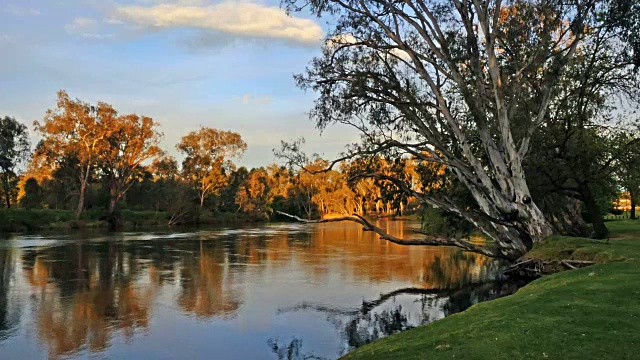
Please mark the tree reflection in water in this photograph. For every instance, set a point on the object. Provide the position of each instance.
(9, 313)
(291, 351)
(81, 296)
(386, 315)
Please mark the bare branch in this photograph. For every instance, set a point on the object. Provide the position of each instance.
(428, 240)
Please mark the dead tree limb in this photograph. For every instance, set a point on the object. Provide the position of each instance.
(426, 241)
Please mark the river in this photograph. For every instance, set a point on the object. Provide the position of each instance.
(276, 291)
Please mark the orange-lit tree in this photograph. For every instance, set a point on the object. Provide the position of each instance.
(207, 158)
(255, 197)
(130, 141)
(74, 128)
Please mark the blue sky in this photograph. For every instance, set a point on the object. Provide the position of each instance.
(186, 63)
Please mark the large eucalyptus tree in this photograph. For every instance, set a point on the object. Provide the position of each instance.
(462, 83)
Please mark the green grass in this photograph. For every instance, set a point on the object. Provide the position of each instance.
(589, 313)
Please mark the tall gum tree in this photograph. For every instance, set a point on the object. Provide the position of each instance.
(463, 83)
(207, 152)
(131, 140)
(74, 128)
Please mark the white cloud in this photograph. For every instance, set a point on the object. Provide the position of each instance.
(86, 28)
(341, 39)
(345, 39)
(81, 25)
(249, 98)
(112, 21)
(240, 19)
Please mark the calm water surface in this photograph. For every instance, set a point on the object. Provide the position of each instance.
(282, 291)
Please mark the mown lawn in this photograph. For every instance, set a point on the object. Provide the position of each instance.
(589, 313)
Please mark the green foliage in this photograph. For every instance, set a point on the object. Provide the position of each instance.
(32, 198)
(14, 143)
(21, 220)
(14, 149)
(17, 220)
(438, 222)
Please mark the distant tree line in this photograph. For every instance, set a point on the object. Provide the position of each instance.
(90, 156)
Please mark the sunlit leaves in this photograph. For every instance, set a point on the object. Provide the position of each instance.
(207, 158)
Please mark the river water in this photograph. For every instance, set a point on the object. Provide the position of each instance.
(278, 291)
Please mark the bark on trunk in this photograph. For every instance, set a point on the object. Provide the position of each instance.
(84, 181)
(564, 215)
(599, 228)
(112, 218)
(112, 206)
(7, 196)
(518, 238)
(80, 206)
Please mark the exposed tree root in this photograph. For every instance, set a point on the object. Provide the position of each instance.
(535, 268)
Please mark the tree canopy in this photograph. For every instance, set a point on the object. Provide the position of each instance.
(15, 148)
(465, 84)
(207, 152)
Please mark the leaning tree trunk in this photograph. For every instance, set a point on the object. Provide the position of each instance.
(516, 237)
(507, 214)
(564, 215)
(599, 228)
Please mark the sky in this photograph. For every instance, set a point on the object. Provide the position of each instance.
(185, 63)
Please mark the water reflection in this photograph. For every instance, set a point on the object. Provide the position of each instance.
(396, 311)
(326, 289)
(9, 311)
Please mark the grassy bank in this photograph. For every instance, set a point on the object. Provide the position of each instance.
(22, 220)
(589, 313)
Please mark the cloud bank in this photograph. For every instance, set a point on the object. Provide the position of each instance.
(235, 19)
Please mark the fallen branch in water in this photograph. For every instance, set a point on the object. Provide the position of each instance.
(426, 241)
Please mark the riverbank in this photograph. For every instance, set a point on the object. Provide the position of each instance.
(588, 313)
(24, 220)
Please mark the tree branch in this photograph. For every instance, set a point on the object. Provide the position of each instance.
(427, 241)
